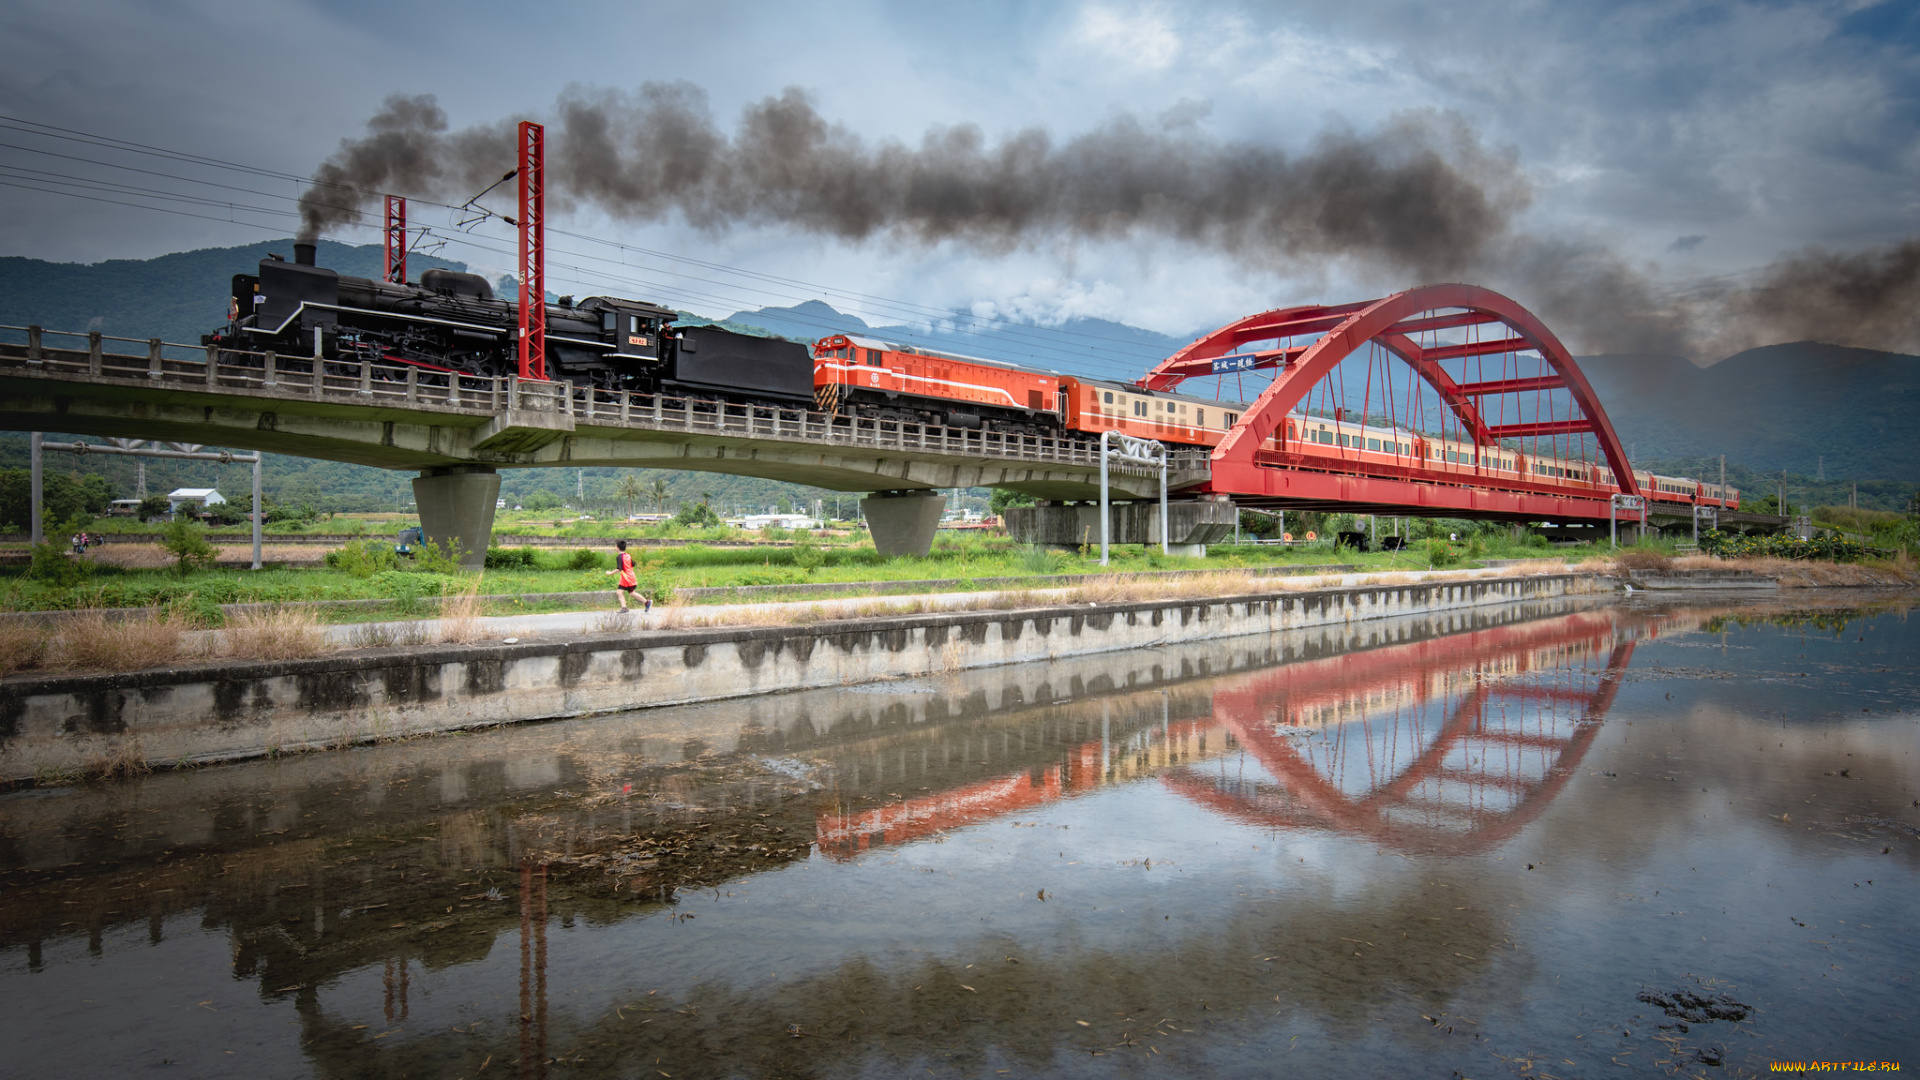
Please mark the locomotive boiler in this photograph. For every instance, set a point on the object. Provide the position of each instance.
(451, 322)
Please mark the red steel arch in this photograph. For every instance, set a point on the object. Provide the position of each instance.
(1393, 322)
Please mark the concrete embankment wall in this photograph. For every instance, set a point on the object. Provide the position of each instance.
(59, 726)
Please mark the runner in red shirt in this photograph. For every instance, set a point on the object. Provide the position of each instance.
(623, 564)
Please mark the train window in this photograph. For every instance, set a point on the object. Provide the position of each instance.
(1230, 419)
(1200, 417)
(1326, 436)
(1373, 444)
(873, 357)
(1109, 400)
(1139, 408)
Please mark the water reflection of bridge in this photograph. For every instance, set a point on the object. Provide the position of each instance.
(1444, 742)
(1444, 745)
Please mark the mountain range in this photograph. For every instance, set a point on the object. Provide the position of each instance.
(1807, 408)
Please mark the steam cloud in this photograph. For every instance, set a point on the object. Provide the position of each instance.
(1419, 197)
(1419, 200)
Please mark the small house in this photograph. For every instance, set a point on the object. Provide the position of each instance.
(194, 501)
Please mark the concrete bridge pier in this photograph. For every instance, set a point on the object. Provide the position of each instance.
(903, 522)
(456, 507)
(1193, 524)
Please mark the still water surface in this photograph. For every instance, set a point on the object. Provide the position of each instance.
(1576, 840)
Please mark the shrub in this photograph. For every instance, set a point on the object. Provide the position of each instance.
(153, 508)
(437, 557)
(362, 558)
(406, 589)
(807, 554)
(583, 559)
(187, 543)
(1440, 554)
(1036, 559)
(520, 558)
(53, 565)
(1734, 546)
(194, 612)
(696, 516)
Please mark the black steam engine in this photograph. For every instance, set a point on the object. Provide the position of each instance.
(452, 323)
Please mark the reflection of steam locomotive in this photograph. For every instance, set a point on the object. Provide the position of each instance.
(451, 322)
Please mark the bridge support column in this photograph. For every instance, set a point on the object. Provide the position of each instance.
(903, 522)
(1191, 525)
(456, 506)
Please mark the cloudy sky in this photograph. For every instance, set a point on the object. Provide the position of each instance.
(1689, 144)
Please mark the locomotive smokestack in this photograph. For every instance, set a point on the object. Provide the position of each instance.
(303, 253)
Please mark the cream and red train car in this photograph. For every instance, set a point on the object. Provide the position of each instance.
(870, 378)
(1345, 445)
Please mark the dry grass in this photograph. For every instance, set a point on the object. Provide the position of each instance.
(611, 622)
(125, 762)
(23, 646)
(1812, 573)
(154, 557)
(1533, 568)
(275, 634)
(460, 616)
(677, 614)
(91, 641)
(1654, 561)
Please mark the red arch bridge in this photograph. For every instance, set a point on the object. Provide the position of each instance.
(1448, 400)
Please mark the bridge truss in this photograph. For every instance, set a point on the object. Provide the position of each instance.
(1458, 363)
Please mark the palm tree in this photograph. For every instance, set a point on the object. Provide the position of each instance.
(629, 489)
(659, 490)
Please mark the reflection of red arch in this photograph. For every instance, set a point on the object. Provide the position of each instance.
(1392, 322)
(1245, 713)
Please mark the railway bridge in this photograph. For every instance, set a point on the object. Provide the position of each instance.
(458, 431)
(1453, 366)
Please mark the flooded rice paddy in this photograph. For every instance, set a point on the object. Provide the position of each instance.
(1580, 839)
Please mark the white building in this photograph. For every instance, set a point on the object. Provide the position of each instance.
(195, 500)
(778, 521)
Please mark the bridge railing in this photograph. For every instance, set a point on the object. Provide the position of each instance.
(385, 383)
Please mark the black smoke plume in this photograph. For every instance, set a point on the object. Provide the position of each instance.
(1419, 200)
(1420, 197)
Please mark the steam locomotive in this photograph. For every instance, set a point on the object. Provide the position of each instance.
(451, 322)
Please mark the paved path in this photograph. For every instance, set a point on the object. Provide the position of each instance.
(559, 623)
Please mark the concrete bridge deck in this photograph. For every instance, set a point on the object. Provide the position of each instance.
(398, 417)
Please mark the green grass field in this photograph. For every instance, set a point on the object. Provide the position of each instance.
(368, 571)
